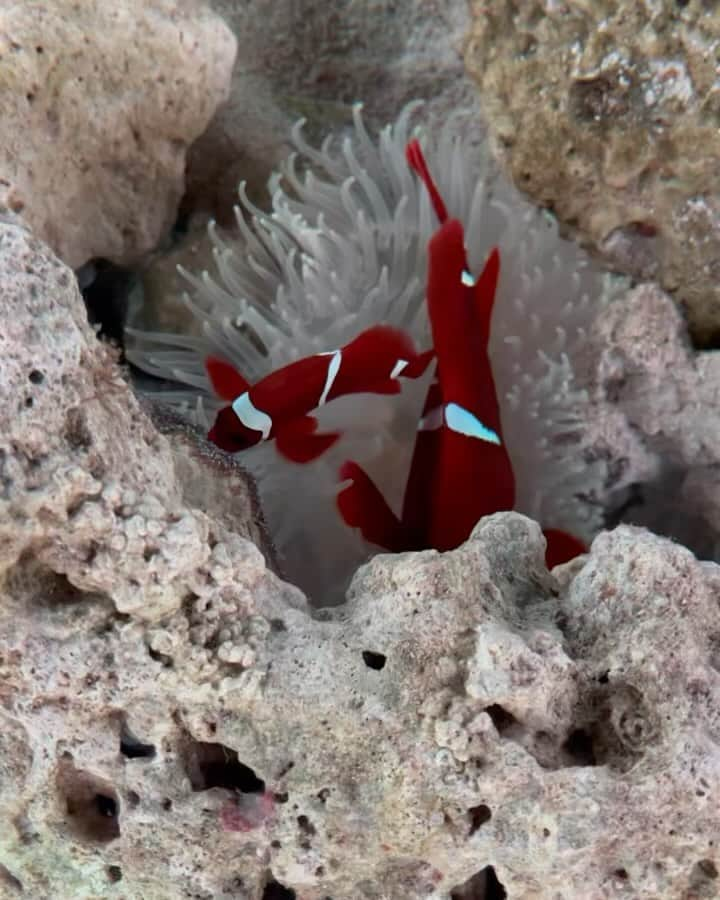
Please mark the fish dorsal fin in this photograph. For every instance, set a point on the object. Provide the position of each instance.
(416, 161)
(227, 382)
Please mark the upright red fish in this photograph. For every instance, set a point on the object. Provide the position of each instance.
(460, 469)
(277, 407)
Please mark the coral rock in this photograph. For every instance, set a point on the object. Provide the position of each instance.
(607, 113)
(98, 105)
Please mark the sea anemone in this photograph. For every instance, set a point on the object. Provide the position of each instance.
(345, 247)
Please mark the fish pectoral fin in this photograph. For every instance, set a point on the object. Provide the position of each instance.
(417, 366)
(226, 381)
(362, 506)
(299, 442)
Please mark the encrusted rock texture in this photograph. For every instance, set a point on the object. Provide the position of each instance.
(99, 103)
(176, 722)
(608, 114)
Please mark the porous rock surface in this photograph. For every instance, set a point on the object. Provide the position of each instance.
(176, 722)
(655, 414)
(98, 105)
(607, 112)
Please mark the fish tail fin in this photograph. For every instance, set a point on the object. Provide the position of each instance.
(362, 506)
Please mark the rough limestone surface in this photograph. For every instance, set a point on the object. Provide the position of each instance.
(607, 112)
(462, 711)
(88, 487)
(98, 105)
(655, 414)
(176, 722)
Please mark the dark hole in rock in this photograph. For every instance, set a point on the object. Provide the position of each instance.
(162, 658)
(501, 718)
(483, 885)
(133, 798)
(304, 824)
(167, 804)
(579, 745)
(210, 765)
(106, 289)
(622, 874)
(91, 802)
(604, 678)
(373, 660)
(478, 816)
(276, 891)
(7, 878)
(133, 747)
(704, 870)
(281, 797)
(36, 376)
(114, 873)
(277, 625)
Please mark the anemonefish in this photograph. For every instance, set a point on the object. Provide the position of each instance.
(277, 407)
(460, 470)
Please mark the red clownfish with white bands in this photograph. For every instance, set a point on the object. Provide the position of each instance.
(277, 407)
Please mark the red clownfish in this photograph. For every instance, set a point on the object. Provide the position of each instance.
(277, 407)
(460, 469)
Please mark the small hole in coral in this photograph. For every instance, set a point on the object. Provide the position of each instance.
(133, 798)
(281, 797)
(604, 678)
(579, 745)
(622, 874)
(29, 402)
(211, 765)
(305, 825)
(323, 795)
(546, 832)
(162, 658)
(167, 804)
(484, 884)
(373, 660)
(277, 625)
(276, 891)
(704, 870)
(501, 718)
(478, 816)
(114, 873)
(91, 802)
(132, 747)
(36, 376)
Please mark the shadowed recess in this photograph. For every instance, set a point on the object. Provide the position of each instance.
(373, 660)
(478, 816)
(91, 802)
(132, 747)
(483, 885)
(210, 765)
(276, 891)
